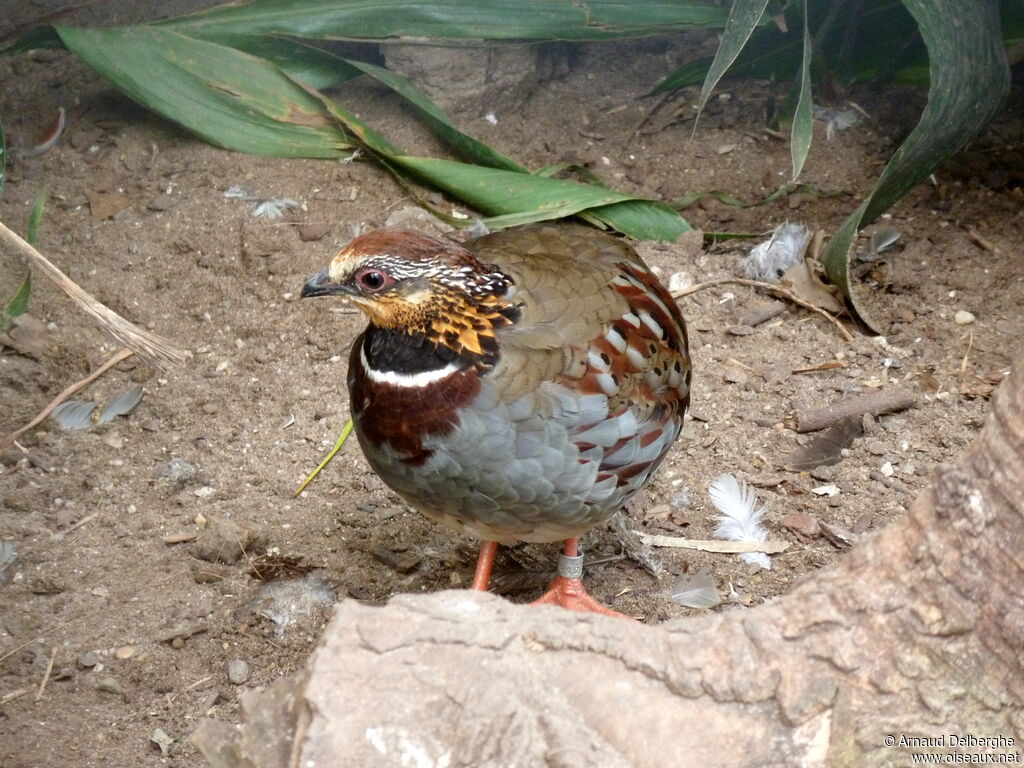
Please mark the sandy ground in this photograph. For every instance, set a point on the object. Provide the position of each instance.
(109, 598)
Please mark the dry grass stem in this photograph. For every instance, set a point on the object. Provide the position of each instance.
(148, 346)
(714, 545)
(13, 695)
(61, 534)
(46, 675)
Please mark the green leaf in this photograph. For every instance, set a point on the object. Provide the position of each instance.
(513, 197)
(498, 191)
(969, 79)
(239, 101)
(449, 19)
(18, 303)
(345, 432)
(314, 66)
(743, 18)
(640, 219)
(35, 217)
(803, 118)
(885, 31)
(44, 36)
(643, 219)
(468, 147)
(230, 98)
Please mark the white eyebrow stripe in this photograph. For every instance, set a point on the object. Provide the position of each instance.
(395, 379)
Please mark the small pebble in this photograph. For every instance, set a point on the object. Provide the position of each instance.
(887, 470)
(679, 281)
(110, 685)
(160, 738)
(124, 652)
(238, 672)
(88, 659)
(862, 523)
(162, 203)
(826, 490)
(826, 472)
(176, 471)
(875, 447)
(734, 377)
(802, 523)
(225, 541)
(963, 317)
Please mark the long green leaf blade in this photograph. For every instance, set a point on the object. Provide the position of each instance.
(315, 67)
(497, 191)
(450, 19)
(643, 219)
(639, 219)
(230, 98)
(803, 118)
(471, 149)
(514, 197)
(969, 79)
(519, 198)
(743, 18)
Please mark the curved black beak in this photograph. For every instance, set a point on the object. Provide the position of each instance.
(320, 285)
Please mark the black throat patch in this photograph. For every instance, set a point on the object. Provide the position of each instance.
(391, 349)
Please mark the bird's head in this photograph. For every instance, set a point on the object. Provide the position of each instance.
(408, 281)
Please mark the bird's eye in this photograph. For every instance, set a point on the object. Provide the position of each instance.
(372, 279)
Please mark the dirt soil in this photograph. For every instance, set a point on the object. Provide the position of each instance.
(137, 630)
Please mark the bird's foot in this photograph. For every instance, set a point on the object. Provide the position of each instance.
(567, 590)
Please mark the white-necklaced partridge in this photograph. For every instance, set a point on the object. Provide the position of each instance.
(519, 387)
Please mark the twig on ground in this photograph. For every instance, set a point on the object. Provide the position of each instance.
(46, 675)
(875, 403)
(13, 695)
(982, 242)
(68, 392)
(778, 290)
(967, 354)
(59, 535)
(714, 545)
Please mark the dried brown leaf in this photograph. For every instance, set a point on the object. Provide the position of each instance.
(827, 447)
(803, 281)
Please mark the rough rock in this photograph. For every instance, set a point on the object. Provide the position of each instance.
(466, 678)
(225, 541)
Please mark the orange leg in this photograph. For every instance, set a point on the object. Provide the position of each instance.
(484, 563)
(567, 589)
